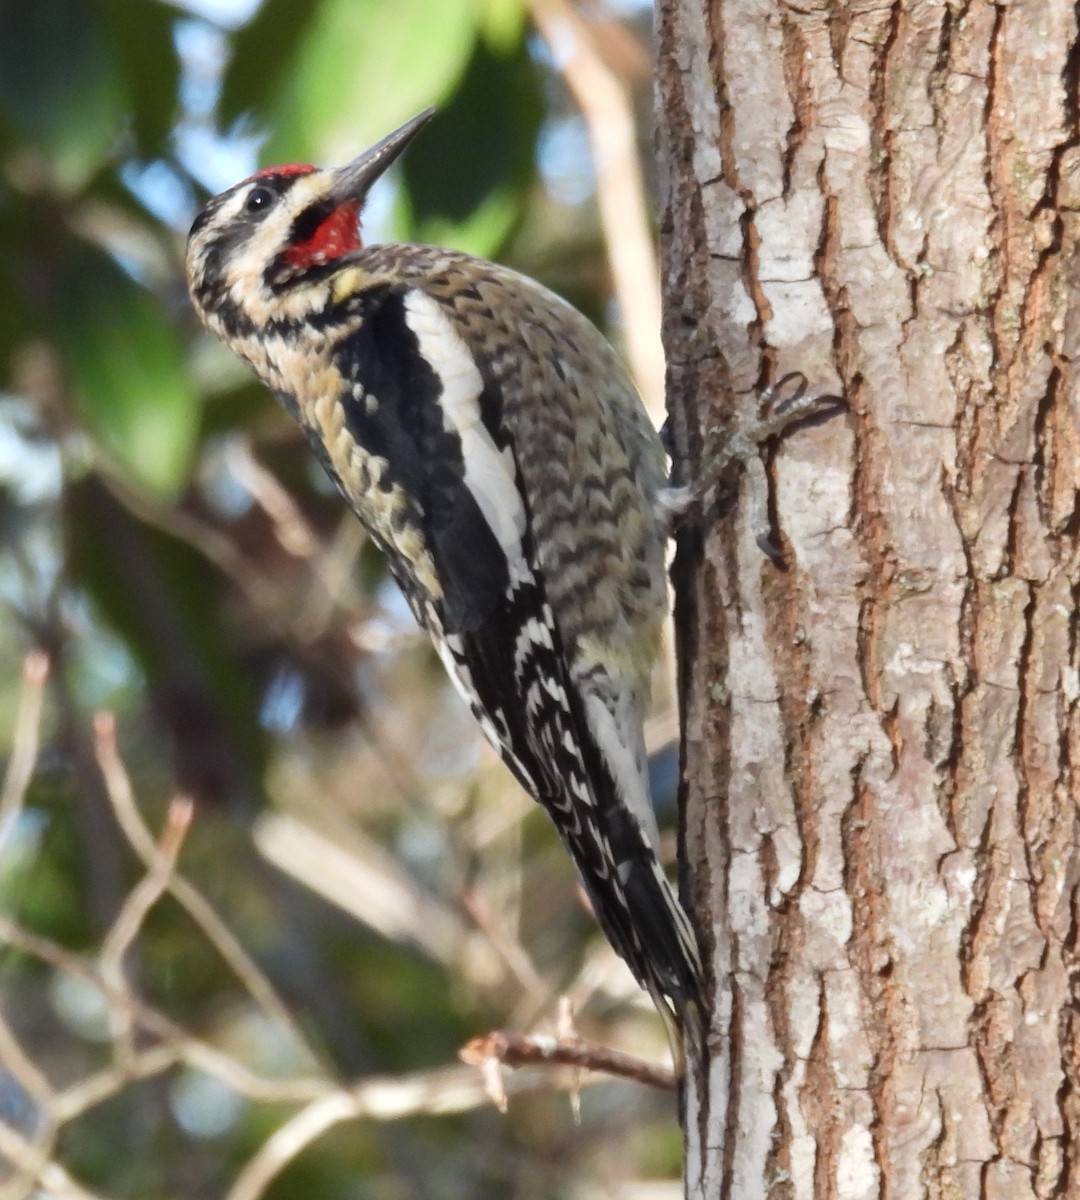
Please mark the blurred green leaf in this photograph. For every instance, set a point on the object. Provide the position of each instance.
(261, 53)
(467, 175)
(142, 33)
(358, 69)
(503, 23)
(21, 269)
(59, 86)
(159, 597)
(47, 897)
(481, 233)
(133, 389)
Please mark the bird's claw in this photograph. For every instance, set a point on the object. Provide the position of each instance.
(783, 405)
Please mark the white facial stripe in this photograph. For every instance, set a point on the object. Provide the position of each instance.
(489, 471)
(243, 280)
(266, 239)
(271, 234)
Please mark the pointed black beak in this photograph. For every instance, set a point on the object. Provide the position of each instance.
(351, 182)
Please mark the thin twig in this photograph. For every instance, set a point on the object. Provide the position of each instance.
(364, 881)
(620, 188)
(530, 1050)
(29, 1076)
(260, 588)
(335, 568)
(513, 954)
(195, 1053)
(95, 1089)
(24, 749)
(286, 1142)
(291, 527)
(447, 1090)
(146, 893)
(132, 916)
(242, 965)
(215, 546)
(27, 1156)
(23, 1070)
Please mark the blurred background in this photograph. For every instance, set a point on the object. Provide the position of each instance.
(264, 993)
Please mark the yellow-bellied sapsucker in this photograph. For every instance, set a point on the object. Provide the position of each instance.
(494, 448)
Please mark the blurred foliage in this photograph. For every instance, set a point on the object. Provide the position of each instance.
(171, 546)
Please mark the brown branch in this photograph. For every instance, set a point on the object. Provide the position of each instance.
(132, 916)
(24, 747)
(194, 1052)
(121, 797)
(620, 188)
(33, 1163)
(530, 1050)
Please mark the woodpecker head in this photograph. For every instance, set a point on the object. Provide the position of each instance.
(267, 247)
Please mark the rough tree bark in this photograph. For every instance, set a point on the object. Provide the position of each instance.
(881, 734)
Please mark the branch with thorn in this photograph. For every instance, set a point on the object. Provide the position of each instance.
(501, 1048)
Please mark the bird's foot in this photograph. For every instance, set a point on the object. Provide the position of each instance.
(783, 405)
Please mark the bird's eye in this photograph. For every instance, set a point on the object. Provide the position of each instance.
(258, 200)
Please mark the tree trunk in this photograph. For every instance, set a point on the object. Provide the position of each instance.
(881, 733)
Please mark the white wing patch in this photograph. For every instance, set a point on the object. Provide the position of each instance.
(625, 764)
(492, 724)
(490, 473)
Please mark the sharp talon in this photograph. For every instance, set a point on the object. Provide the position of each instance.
(769, 548)
(745, 448)
(778, 407)
(667, 437)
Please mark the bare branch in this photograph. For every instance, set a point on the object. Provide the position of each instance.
(242, 965)
(194, 1052)
(363, 881)
(95, 1089)
(620, 188)
(535, 1049)
(290, 525)
(335, 566)
(24, 748)
(509, 948)
(133, 913)
(448, 1090)
(215, 546)
(32, 1160)
(26, 1073)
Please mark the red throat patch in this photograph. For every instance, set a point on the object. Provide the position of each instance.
(336, 235)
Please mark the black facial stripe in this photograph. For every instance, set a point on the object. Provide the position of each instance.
(202, 218)
(278, 185)
(307, 222)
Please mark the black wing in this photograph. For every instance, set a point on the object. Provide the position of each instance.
(435, 416)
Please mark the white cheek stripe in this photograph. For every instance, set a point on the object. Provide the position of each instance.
(489, 471)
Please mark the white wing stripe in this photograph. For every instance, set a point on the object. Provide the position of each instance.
(489, 471)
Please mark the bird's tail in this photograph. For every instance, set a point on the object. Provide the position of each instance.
(636, 906)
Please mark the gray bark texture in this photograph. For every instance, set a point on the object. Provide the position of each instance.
(881, 733)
